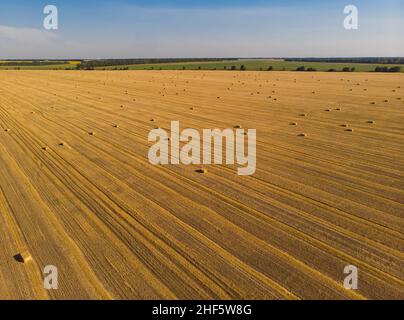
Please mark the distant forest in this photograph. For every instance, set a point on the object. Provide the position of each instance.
(380, 60)
(87, 64)
(32, 63)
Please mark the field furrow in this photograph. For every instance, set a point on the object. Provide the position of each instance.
(77, 190)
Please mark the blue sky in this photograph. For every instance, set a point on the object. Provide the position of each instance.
(221, 28)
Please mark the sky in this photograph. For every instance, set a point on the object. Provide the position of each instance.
(194, 29)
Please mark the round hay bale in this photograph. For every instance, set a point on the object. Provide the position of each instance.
(23, 257)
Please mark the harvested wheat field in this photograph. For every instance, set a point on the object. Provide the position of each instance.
(78, 191)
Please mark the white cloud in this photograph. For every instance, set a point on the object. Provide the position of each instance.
(26, 43)
(28, 36)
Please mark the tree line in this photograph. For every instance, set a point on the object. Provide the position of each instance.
(32, 63)
(86, 64)
(372, 60)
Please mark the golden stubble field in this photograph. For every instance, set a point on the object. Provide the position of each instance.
(77, 190)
